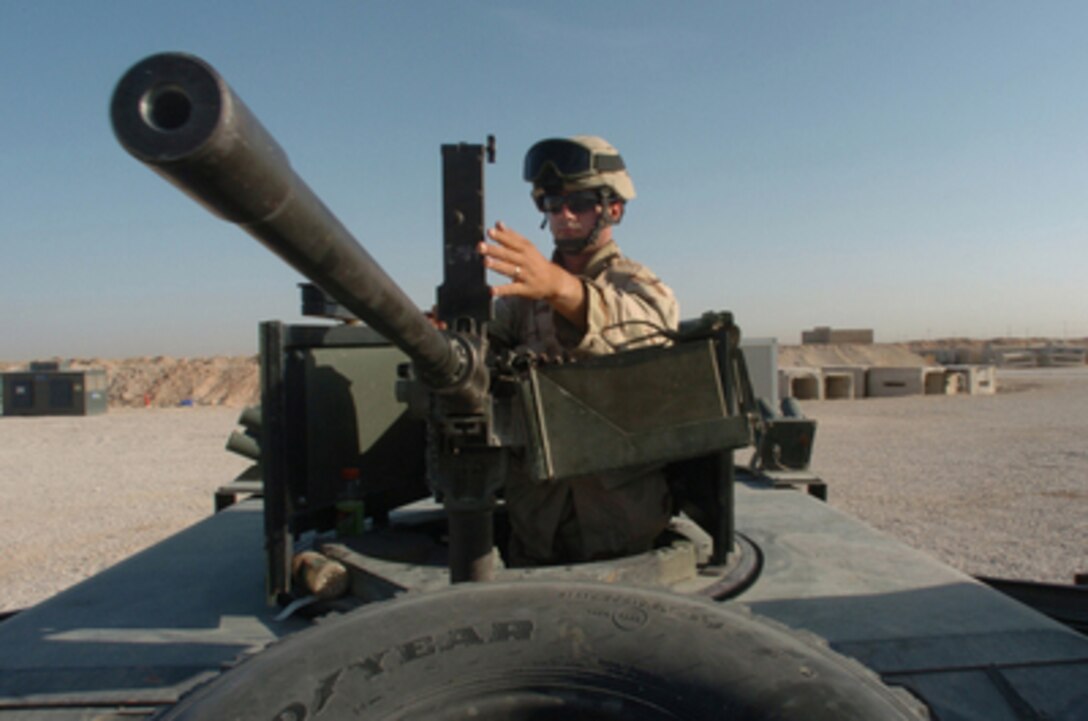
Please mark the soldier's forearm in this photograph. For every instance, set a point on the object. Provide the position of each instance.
(569, 299)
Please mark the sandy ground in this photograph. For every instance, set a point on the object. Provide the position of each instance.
(993, 485)
(82, 493)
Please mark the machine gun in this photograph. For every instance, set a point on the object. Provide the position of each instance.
(687, 404)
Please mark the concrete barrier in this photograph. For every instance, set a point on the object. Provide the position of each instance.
(1062, 355)
(804, 384)
(905, 381)
(850, 382)
(974, 380)
(838, 385)
(935, 382)
(1014, 357)
(1038, 355)
(856, 373)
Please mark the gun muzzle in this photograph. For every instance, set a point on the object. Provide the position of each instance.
(177, 115)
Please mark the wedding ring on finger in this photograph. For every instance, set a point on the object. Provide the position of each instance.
(517, 272)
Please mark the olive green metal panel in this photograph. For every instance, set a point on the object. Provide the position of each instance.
(368, 375)
(629, 409)
(349, 405)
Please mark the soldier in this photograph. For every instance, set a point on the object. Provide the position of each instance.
(588, 299)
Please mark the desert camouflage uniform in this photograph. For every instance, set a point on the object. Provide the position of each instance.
(603, 515)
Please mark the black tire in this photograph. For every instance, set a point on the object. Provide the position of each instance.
(547, 650)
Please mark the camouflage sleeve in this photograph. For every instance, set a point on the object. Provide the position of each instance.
(625, 306)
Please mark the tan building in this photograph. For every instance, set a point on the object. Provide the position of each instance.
(826, 334)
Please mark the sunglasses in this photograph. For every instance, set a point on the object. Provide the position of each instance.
(578, 202)
(567, 159)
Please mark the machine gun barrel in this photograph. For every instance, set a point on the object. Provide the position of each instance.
(177, 115)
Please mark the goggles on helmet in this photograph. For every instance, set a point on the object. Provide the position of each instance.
(568, 160)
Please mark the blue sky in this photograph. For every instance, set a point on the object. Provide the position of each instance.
(919, 168)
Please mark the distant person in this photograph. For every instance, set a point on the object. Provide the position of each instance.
(587, 300)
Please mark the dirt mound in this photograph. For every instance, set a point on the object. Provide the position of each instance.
(162, 381)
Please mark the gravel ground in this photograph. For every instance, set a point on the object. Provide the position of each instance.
(82, 493)
(993, 485)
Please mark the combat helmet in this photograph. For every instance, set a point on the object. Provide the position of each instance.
(581, 162)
